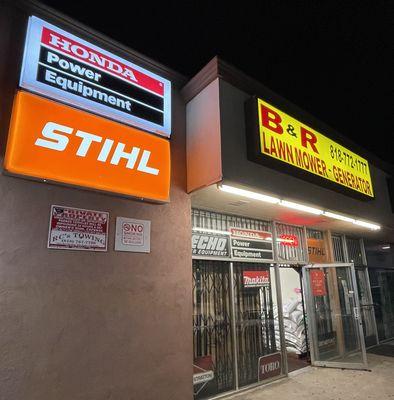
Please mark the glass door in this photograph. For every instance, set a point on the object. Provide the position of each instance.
(334, 321)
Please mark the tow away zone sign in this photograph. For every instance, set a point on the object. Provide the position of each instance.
(78, 229)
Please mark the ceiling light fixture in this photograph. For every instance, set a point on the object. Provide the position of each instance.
(296, 206)
(300, 207)
(338, 216)
(369, 225)
(210, 231)
(249, 194)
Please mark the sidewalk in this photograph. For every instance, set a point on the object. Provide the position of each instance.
(332, 384)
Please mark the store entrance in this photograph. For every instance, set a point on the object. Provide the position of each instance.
(236, 336)
(294, 317)
(334, 320)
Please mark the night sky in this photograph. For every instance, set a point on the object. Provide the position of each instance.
(332, 58)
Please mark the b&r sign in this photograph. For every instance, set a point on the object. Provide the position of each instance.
(284, 138)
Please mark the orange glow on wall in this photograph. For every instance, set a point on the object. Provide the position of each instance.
(51, 141)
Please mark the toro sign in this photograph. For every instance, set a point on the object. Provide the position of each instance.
(279, 140)
(65, 67)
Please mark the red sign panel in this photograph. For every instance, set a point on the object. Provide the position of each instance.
(250, 234)
(78, 229)
(253, 279)
(270, 366)
(318, 283)
(78, 50)
(288, 240)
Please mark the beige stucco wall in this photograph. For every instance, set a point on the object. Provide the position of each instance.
(85, 325)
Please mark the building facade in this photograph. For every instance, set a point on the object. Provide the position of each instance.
(172, 238)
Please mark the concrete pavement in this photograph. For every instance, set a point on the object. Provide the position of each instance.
(332, 384)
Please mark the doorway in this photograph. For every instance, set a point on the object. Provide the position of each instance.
(294, 317)
(236, 331)
(334, 320)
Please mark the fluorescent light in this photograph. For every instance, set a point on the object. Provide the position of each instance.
(211, 231)
(338, 216)
(249, 194)
(300, 207)
(295, 206)
(386, 247)
(374, 227)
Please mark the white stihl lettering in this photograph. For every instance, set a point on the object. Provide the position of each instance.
(56, 139)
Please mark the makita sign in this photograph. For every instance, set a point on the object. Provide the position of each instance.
(256, 279)
(210, 245)
(64, 67)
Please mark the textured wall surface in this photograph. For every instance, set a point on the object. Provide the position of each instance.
(84, 325)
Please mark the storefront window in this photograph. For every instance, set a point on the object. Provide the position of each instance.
(213, 361)
(382, 287)
(256, 356)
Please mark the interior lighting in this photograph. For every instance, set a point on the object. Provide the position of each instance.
(211, 231)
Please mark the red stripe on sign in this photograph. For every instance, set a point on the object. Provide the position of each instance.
(78, 50)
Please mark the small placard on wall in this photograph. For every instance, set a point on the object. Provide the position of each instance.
(132, 235)
(73, 228)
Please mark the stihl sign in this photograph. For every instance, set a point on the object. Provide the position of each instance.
(60, 65)
(51, 141)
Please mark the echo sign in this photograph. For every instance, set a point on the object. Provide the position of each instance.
(64, 67)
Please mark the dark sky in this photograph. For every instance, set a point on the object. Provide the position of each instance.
(332, 58)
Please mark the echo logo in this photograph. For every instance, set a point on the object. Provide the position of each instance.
(55, 142)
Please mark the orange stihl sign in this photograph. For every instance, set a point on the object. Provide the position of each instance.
(51, 141)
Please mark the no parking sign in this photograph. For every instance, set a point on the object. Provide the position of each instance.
(132, 235)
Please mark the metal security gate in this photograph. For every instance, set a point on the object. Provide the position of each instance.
(233, 326)
(254, 320)
(212, 333)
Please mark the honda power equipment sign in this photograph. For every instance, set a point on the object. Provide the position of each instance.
(251, 245)
(65, 67)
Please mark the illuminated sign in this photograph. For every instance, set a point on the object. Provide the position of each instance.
(64, 67)
(249, 244)
(51, 141)
(285, 139)
(288, 240)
